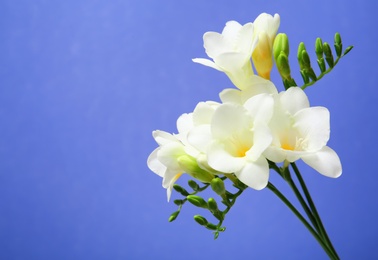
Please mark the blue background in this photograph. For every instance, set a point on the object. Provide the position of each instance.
(82, 85)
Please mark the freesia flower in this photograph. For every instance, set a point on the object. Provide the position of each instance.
(302, 132)
(175, 156)
(239, 137)
(265, 28)
(231, 52)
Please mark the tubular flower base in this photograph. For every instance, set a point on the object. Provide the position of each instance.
(253, 130)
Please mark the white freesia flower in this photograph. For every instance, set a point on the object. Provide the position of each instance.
(239, 137)
(265, 28)
(302, 132)
(258, 85)
(231, 52)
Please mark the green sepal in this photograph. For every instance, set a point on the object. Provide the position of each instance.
(173, 216)
(197, 201)
(180, 189)
(201, 220)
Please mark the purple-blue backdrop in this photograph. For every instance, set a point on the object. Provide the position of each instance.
(82, 85)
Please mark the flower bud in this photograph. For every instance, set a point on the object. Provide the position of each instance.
(328, 54)
(218, 186)
(213, 206)
(173, 216)
(190, 166)
(180, 189)
(201, 220)
(197, 201)
(193, 185)
(338, 44)
(319, 48)
(262, 56)
(281, 44)
(283, 66)
(301, 48)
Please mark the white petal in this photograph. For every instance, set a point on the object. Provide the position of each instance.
(293, 100)
(221, 160)
(262, 138)
(229, 119)
(267, 23)
(184, 123)
(215, 44)
(155, 165)
(255, 174)
(169, 183)
(246, 41)
(260, 107)
(162, 137)
(313, 126)
(207, 63)
(203, 113)
(275, 154)
(200, 137)
(231, 95)
(168, 155)
(231, 29)
(326, 161)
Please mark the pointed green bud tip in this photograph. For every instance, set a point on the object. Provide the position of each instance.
(173, 216)
(319, 48)
(347, 50)
(218, 186)
(190, 166)
(213, 206)
(283, 66)
(197, 201)
(328, 54)
(193, 185)
(180, 189)
(200, 220)
(306, 59)
(338, 39)
(301, 48)
(281, 44)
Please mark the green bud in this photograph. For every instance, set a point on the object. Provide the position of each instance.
(200, 220)
(197, 201)
(338, 44)
(213, 206)
(348, 50)
(211, 226)
(306, 59)
(173, 216)
(301, 48)
(281, 44)
(218, 186)
(328, 54)
(190, 166)
(193, 185)
(319, 48)
(321, 64)
(178, 202)
(283, 66)
(180, 189)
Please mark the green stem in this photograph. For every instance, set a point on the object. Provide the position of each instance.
(316, 215)
(302, 219)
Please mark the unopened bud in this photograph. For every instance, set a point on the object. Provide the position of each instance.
(301, 48)
(283, 66)
(197, 201)
(281, 44)
(262, 56)
(328, 54)
(173, 216)
(180, 189)
(200, 220)
(190, 166)
(218, 186)
(319, 48)
(193, 185)
(213, 206)
(338, 44)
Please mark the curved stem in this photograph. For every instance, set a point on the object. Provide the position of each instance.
(302, 219)
(311, 203)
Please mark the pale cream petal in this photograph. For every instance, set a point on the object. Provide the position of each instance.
(221, 160)
(255, 174)
(207, 63)
(155, 165)
(293, 100)
(326, 161)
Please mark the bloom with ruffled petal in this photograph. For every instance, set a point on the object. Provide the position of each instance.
(265, 28)
(175, 156)
(231, 52)
(240, 136)
(302, 132)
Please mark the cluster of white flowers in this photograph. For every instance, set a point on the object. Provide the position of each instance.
(252, 124)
